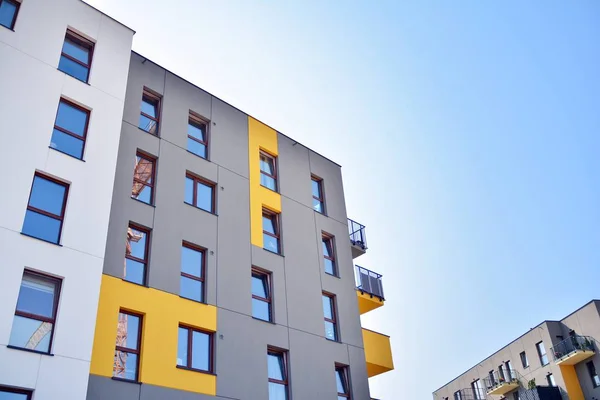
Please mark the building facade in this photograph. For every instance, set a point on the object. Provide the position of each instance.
(558, 354)
(160, 243)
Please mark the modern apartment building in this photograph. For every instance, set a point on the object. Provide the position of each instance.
(157, 242)
(554, 360)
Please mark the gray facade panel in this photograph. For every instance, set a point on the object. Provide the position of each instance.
(101, 388)
(275, 264)
(294, 171)
(229, 138)
(333, 187)
(151, 392)
(358, 373)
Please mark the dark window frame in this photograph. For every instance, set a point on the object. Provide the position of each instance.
(148, 232)
(591, 368)
(274, 217)
(201, 278)
(153, 160)
(17, 5)
(269, 299)
(273, 158)
(83, 137)
(524, 359)
(137, 350)
(343, 370)
(284, 356)
(329, 241)
(211, 345)
(550, 379)
(8, 389)
(81, 41)
(334, 319)
(540, 355)
(321, 199)
(60, 217)
(195, 120)
(196, 179)
(151, 97)
(52, 320)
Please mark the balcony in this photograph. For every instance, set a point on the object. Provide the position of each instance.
(378, 352)
(500, 383)
(369, 289)
(573, 350)
(358, 238)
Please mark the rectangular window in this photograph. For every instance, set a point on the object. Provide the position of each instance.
(501, 375)
(457, 395)
(330, 316)
(70, 129)
(197, 142)
(329, 255)
(271, 232)
(541, 349)
(8, 13)
(127, 349)
(478, 392)
(317, 194)
(509, 371)
(524, 360)
(491, 377)
(194, 349)
(268, 171)
(7, 393)
(199, 193)
(593, 375)
(144, 173)
(550, 379)
(46, 208)
(516, 396)
(261, 295)
(278, 375)
(136, 254)
(342, 382)
(35, 315)
(193, 259)
(149, 112)
(76, 56)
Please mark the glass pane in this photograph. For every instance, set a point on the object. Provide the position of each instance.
(191, 289)
(596, 381)
(327, 309)
(277, 391)
(261, 310)
(141, 192)
(329, 267)
(70, 67)
(137, 243)
(340, 381)
(30, 334)
(182, 347)
(47, 195)
(144, 170)
(259, 285)
(76, 51)
(266, 165)
(9, 395)
(270, 243)
(326, 251)
(330, 330)
(7, 15)
(316, 189)
(36, 296)
(149, 107)
(191, 261)
(197, 148)
(41, 226)
(275, 366)
(125, 365)
(70, 118)
(134, 271)
(197, 131)
(128, 329)
(205, 196)
(67, 144)
(268, 182)
(147, 124)
(317, 205)
(189, 191)
(200, 351)
(268, 225)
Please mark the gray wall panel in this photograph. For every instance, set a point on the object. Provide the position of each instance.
(101, 388)
(294, 171)
(333, 187)
(358, 373)
(229, 138)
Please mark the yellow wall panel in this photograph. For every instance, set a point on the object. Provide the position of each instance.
(367, 302)
(378, 352)
(571, 382)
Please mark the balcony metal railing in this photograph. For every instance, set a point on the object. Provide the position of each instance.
(357, 234)
(572, 344)
(369, 282)
(497, 379)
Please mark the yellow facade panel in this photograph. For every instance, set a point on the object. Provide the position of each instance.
(571, 382)
(367, 302)
(378, 352)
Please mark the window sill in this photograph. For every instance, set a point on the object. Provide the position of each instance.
(43, 353)
(334, 340)
(272, 252)
(135, 283)
(199, 156)
(195, 301)
(143, 202)
(149, 133)
(6, 27)
(268, 188)
(77, 79)
(66, 154)
(322, 213)
(114, 378)
(263, 320)
(332, 275)
(201, 209)
(43, 240)
(196, 370)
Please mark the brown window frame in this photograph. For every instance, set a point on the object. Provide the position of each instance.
(201, 278)
(321, 199)
(7, 389)
(83, 138)
(138, 348)
(274, 177)
(152, 98)
(334, 319)
(284, 355)
(14, 20)
(60, 217)
(329, 241)
(205, 182)
(343, 369)
(147, 231)
(81, 41)
(152, 160)
(211, 346)
(274, 217)
(196, 120)
(269, 298)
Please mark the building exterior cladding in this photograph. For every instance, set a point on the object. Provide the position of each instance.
(135, 213)
(566, 358)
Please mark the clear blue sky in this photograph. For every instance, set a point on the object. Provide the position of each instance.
(469, 135)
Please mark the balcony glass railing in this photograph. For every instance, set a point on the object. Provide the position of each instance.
(369, 282)
(572, 344)
(357, 234)
(500, 378)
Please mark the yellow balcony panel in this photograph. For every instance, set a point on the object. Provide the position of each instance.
(378, 352)
(367, 302)
(576, 357)
(573, 350)
(504, 387)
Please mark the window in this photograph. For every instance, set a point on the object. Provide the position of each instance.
(199, 193)
(70, 129)
(317, 194)
(550, 379)
(35, 315)
(478, 392)
(509, 371)
(330, 317)
(46, 208)
(541, 349)
(261, 295)
(127, 348)
(457, 395)
(501, 374)
(524, 360)
(76, 56)
(516, 396)
(143, 178)
(8, 13)
(271, 232)
(14, 394)
(194, 350)
(197, 142)
(329, 255)
(341, 380)
(136, 254)
(593, 375)
(149, 113)
(268, 171)
(492, 378)
(278, 379)
(192, 272)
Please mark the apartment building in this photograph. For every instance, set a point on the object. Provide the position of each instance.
(158, 242)
(554, 360)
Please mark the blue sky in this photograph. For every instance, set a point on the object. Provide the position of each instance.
(468, 133)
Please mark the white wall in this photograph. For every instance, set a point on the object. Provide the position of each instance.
(31, 87)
